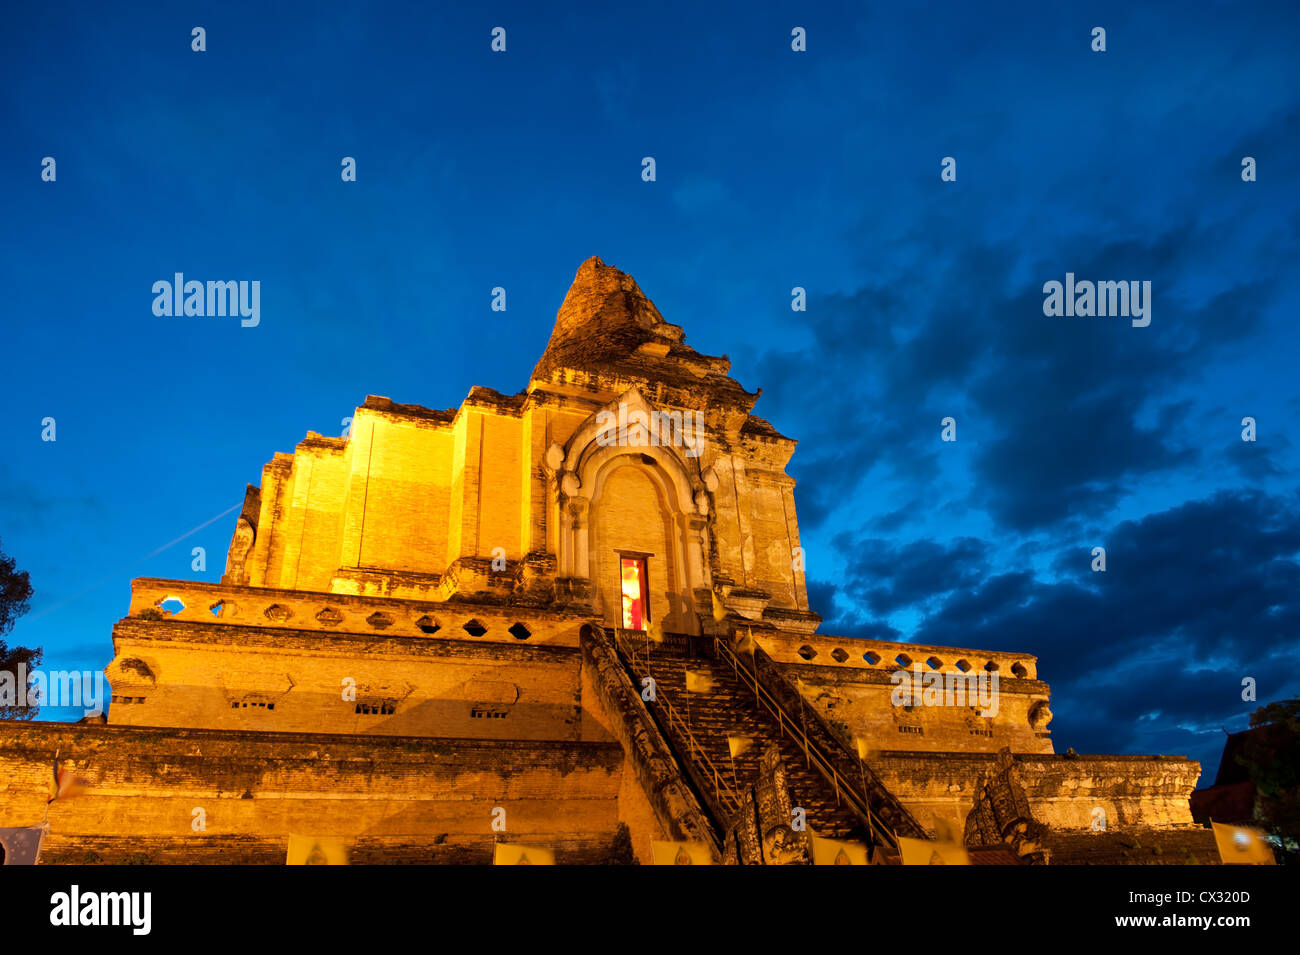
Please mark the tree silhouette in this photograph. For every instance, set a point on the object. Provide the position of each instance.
(1271, 755)
(15, 599)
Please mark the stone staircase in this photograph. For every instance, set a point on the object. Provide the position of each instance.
(698, 725)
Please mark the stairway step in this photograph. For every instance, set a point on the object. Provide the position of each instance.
(730, 710)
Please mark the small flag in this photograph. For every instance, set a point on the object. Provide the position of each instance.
(64, 783)
(925, 852)
(861, 745)
(836, 852)
(21, 846)
(655, 631)
(745, 641)
(506, 854)
(681, 853)
(949, 830)
(315, 850)
(1241, 846)
(739, 745)
(698, 682)
(719, 611)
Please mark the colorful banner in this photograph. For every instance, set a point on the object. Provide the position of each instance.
(1241, 846)
(925, 852)
(316, 850)
(506, 854)
(681, 853)
(837, 852)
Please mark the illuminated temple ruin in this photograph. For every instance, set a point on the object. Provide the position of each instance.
(452, 628)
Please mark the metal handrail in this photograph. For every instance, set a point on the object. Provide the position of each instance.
(727, 799)
(813, 755)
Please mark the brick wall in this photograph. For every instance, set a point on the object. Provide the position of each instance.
(1133, 791)
(259, 678)
(400, 799)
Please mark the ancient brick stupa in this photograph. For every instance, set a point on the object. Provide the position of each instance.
(573, 618)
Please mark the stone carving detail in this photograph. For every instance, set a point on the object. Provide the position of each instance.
(330, 617)
(241, 543)
(1040, 714)
(554, 457)
(277, 614)
(1001, 814)
(762, 834)
(781, 845)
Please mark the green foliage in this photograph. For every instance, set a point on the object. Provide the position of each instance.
(15, 600)
(1271, 755)
(10, 660)
(15, 593)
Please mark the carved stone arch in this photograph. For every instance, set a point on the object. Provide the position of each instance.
(676, 567)
(671, 473)
(582, 476)
(585, 443)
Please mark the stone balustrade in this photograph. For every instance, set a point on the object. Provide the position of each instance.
(222, 605)
(886, 655)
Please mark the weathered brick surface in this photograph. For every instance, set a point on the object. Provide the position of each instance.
(421, 799)
(234, 677)
(1133, 791)
(849, 682)
(666, 806)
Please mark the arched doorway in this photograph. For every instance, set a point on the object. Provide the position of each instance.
(636, 573)
(629, 509)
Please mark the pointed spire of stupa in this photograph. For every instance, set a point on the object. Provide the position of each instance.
(606, 318)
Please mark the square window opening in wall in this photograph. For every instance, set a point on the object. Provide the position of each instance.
(634, 585)
(252, 704)
(376, 707)
(487, 713)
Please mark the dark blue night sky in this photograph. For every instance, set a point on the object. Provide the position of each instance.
(775, 169)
